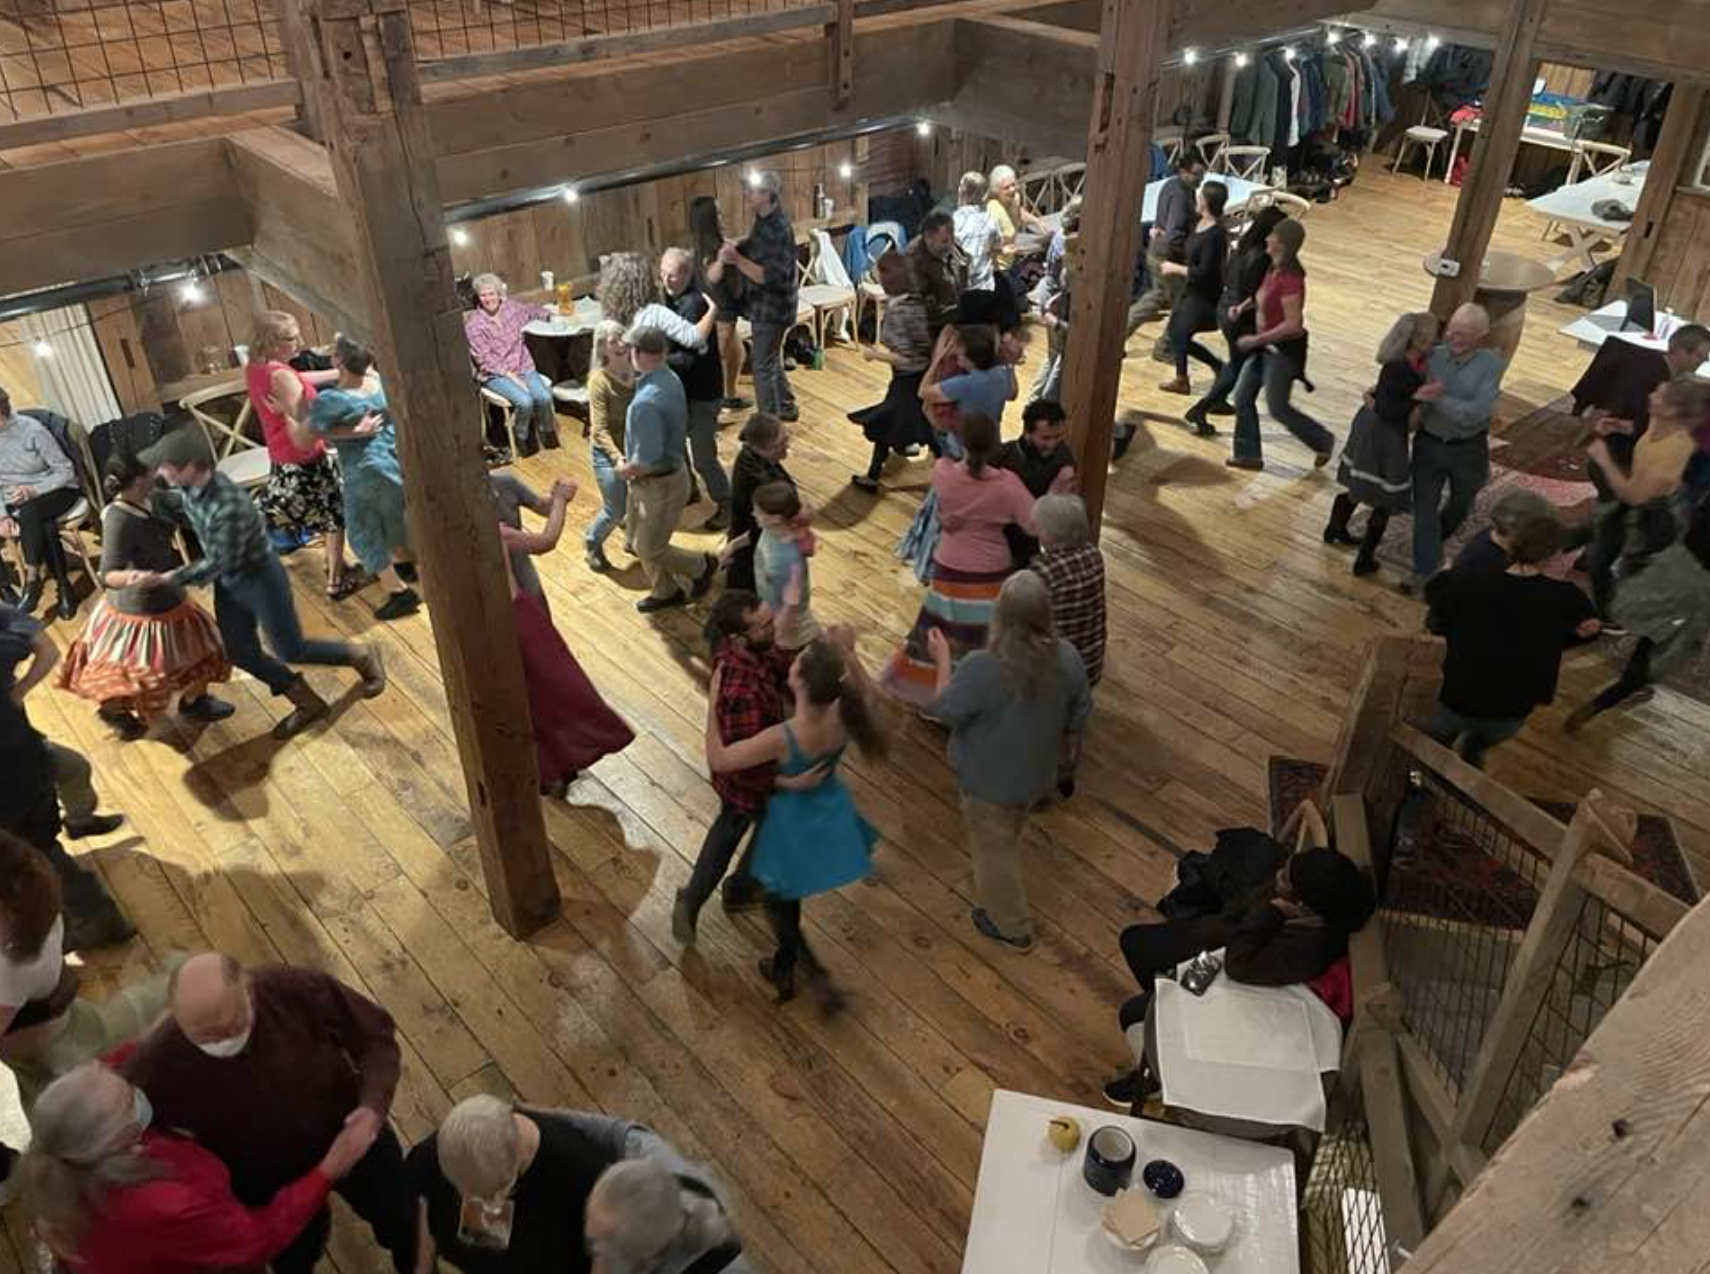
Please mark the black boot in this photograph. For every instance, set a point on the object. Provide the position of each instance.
(1365, 561)
(1336, 530)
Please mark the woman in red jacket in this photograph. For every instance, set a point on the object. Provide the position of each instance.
(110, 1195)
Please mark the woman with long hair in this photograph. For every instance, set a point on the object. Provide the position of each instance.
(725, 287)
(976, 500)
(1195, 311)
(1242, 277)
(1276, 356)
(611, 386)
(628, 293)
(302, 495)
(1015, 712)
(143, 645)
(813, 839)
(112, 1195)
(1376, 469)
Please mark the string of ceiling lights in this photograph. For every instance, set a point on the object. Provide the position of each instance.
(1367, 40)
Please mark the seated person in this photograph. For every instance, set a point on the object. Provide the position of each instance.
(1292, 932)
(515, 1190)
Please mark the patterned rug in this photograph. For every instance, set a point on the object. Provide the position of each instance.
(1451, 877)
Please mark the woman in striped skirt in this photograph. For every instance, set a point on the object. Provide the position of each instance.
(143, 646)
(971, 561)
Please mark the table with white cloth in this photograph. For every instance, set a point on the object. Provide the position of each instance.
(1546, 138)
(1571, 207)
(1035, 1214)
(561, 345)
(1592, 330)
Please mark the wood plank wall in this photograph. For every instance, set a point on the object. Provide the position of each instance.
(1680, 263)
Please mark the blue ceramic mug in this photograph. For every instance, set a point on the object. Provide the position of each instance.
(1109, 1163)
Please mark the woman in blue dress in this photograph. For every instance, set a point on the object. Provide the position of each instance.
(813, 839)
(352, 415)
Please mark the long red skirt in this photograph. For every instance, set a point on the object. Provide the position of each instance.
(573, 727)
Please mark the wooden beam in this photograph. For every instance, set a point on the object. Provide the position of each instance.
(1400, 674)
(1494, 150)
(169, 108)
(364, 72)
(1133, 40)
(1047, 107)
(1611, 1170)
(1682, 127)
(840, 45)
(1634, 898)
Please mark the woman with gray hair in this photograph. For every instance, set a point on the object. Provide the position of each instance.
(1008, 213)
(517, 1190)
(504, 365)
(111, 1195)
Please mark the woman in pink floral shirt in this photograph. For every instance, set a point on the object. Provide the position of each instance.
(502, 361)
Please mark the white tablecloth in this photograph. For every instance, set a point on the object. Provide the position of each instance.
(1600, 325)
(1033, 1213)
(1573, 203)
(584, 317)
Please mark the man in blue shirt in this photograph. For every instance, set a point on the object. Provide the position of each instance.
(655, 464)
(1452, 448)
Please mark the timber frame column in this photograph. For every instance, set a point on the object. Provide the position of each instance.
(362, 76)
(1133, 38)
(1680, 144)
(1494, 152)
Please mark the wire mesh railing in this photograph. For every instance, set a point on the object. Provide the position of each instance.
(451, 28)
(1341, 1214)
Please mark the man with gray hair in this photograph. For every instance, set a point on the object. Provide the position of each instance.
(1452, 447)
(767, 259)
(507, 1189)
(701, 369)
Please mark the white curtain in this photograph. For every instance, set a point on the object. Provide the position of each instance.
(73, 373)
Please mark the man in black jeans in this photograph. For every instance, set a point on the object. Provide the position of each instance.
(753, 695)
(1172, 222)
(767, 259)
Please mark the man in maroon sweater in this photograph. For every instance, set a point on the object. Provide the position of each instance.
(264, 1067)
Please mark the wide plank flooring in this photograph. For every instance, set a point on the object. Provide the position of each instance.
(851, 1146)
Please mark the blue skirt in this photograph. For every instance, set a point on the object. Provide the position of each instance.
(812, 842)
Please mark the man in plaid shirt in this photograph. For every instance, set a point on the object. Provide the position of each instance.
(251, 590)
(767, 259)
(753, 695)
(1073, 570)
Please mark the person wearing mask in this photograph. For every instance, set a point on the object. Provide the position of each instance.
(511, 1189)
(38, 486)
(1237, 316)
(1015, 711)
(267, 1068)
(1452, 448)
(1045, 463)
(977, 235)
(703, 378)
(113, 1191)
(503, 364)
(1375, 469)
(1172, 222)
(905, 344)
(725, 289)
(1200, 270)
(1277, 356)
(753, 696)
(813, 839)
(940, 268)
(767, 260)
(611, 387)
(1506, 631)
(655, 432)
(1290, 931)
(251, 590)
(765, 443)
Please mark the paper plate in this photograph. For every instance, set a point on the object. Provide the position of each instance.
(1203, 1223)
(1172, 1259)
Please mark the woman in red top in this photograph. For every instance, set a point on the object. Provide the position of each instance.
(1277, 356)
(110, 1195)
(303, 494)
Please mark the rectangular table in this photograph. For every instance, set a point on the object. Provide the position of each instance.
(1600, 325)
(1571, 207)
(1548, 138)
(1033, 1214)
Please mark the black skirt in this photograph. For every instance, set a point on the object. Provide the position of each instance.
(1376, 469)
(898, 419)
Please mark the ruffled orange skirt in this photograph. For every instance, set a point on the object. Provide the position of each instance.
(138, 663)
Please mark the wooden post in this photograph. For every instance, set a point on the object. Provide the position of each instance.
(840, 40)
(1505, 106)
(298, 43)
(1400, 678)
(1611, 1170)
(1683, 126)
(1133, 38)
(364, 76)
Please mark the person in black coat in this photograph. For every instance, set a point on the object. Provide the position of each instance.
(1241, 279)
(1292, 932)
(765, 443)
(1206, 254)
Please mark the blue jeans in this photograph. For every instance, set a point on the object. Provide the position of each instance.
(532, 399)
(703, 448)
(259, 599)
(1275, 374)
(614, 497)
(1477, 735)
(1463, 467)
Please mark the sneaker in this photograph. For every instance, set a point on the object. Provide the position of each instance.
(597, 560)
(720, 519)
(205, 708)
(527, 447)
(406, 571)
(1125, 1092)
(651, 605)
(1364, 565)
(790, 415)
(988, 928)
(703, 584)
(1238, 462)
(95, 825)
(397, 605)
(683, 920)
(735, 404)
(861, 482)
(1220, 409)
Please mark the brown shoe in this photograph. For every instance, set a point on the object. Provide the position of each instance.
(370, 665)
(307, 707)
(1179, 385)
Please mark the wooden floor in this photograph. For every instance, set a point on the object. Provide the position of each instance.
(850, 1147)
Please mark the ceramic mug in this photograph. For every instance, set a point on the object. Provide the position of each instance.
(1109, 1163)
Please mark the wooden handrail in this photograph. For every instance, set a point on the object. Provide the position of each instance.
(170, 108)
(1531, 824)
(1631, 897)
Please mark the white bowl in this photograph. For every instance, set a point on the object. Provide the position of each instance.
(1174, 1259)
(1205, 1224)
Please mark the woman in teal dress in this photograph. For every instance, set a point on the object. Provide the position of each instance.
(352, 415)
(813, 839)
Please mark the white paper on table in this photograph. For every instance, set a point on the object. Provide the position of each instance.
(1270, 1032)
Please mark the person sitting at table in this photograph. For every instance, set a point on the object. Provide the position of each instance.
(504, 365)
(1011, 216)
(1291, 930)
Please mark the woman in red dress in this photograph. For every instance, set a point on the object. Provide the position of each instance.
(573, 726)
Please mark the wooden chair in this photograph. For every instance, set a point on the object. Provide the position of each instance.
(1211, 147)
(1593, 159)
(236, 454)
(491, 400)
(1246, 162)
(822, 301)
(1293, 205)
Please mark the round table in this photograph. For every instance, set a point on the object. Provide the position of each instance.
(1504, 283)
